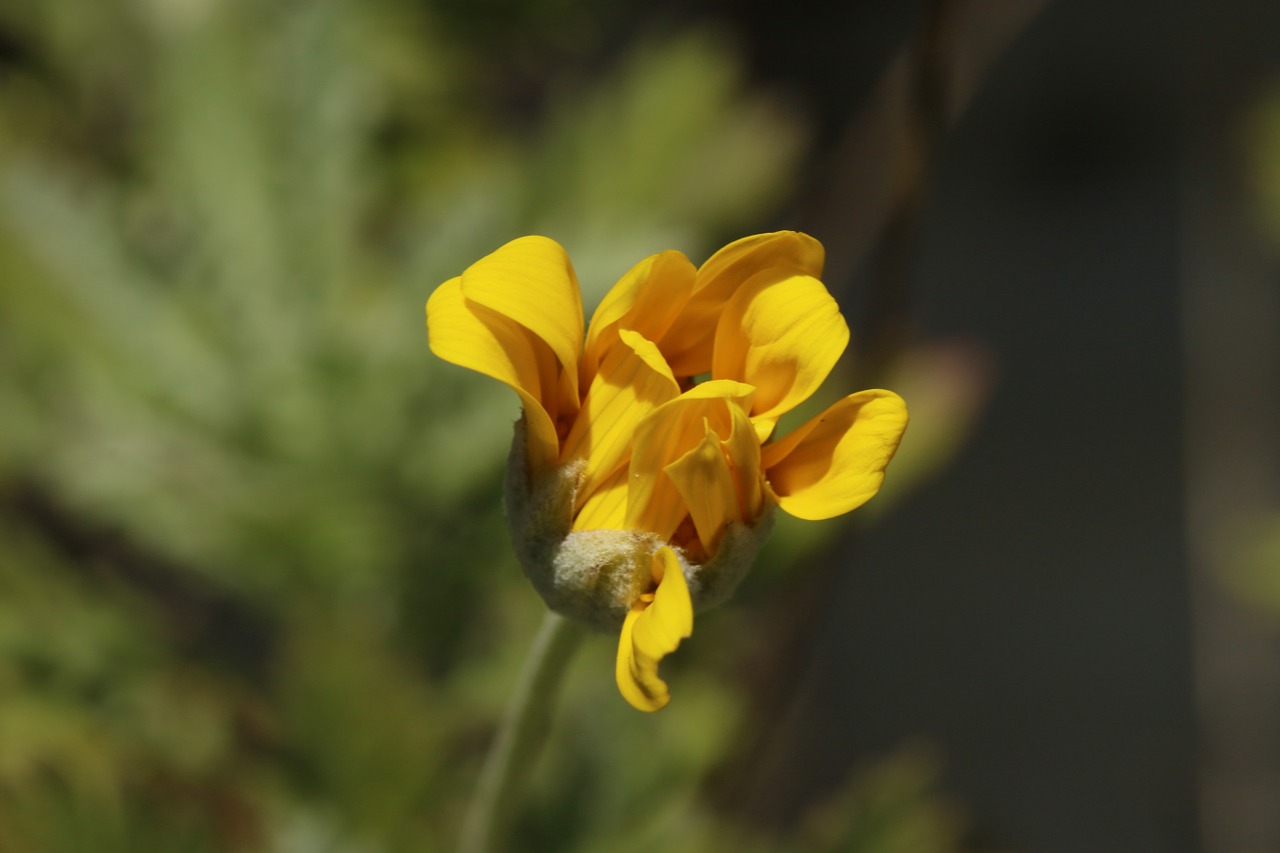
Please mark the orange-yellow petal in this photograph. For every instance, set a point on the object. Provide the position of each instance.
(485, 341)
(633, 381)
(531, 281)
(783, 337)
(669, 432)
(836, 461)
(652, 630)
(647, 300)
(689, 343)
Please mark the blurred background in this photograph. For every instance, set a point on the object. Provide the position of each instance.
(255, 591)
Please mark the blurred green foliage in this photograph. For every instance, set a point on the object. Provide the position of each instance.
(254, 588)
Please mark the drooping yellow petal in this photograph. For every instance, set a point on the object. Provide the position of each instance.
(688, 345)
(706, 483)
(531, 281)
(782, 336)
(652, 630)
(480, 339)
(836, 461)
(669, 432)
(633, 381)
(670, 615)
(647, 300)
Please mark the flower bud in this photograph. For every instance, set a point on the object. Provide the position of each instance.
(644, 471)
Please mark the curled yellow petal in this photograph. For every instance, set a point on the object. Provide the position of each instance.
(647, 300)
(652, 630)
(742, 448)
(706, 483)
(689, 343)
(783, 337)
(531, 281)
(483, 340)
(835, 462)
(633, 381)
(669, 432)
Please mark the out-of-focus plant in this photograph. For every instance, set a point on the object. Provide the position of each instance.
(1261, 143)
(1246, 547)
(1253, 567)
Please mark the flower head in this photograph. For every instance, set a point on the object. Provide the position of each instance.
(644, 473)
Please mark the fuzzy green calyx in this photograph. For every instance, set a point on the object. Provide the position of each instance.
(596, 576)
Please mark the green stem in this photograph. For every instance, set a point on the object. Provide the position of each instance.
(523, 728)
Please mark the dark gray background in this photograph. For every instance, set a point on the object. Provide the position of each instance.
(1029, 611)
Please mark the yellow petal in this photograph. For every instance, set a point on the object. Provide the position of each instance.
(647, 300)
(738, 393)
(669, 432)
(793, 249)
(652, 630)
(743, 450)
(606, 507)
(531, 281)
(836, 461)
(783, 337)
(688, 345)
(633, 381)
(706, 483)
(485, 341)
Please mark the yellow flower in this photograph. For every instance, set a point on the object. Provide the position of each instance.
(643, 474)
